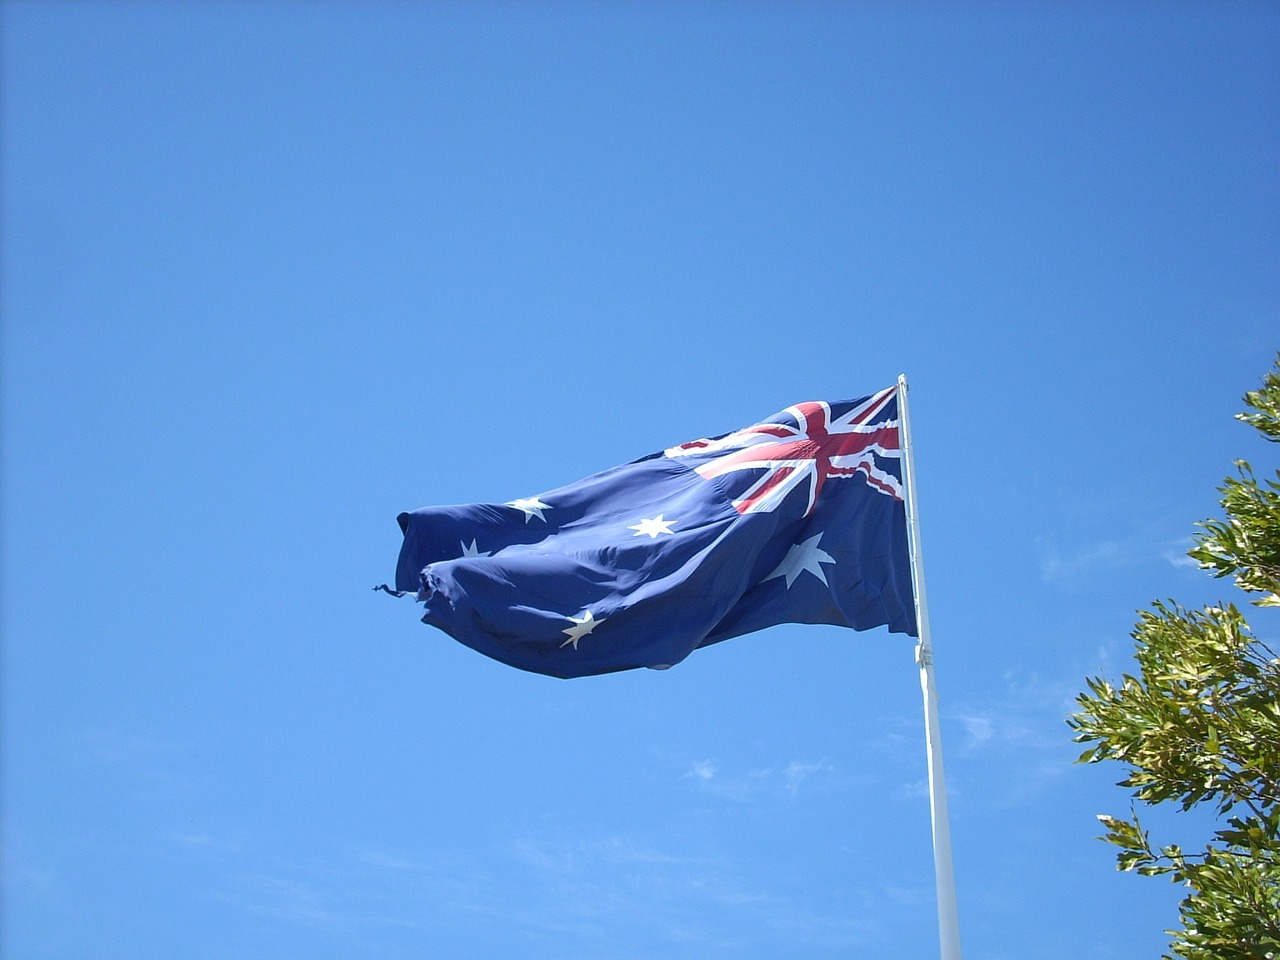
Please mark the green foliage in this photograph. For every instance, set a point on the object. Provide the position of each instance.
(1266, 403)
(1245, 545)
(1199, 723)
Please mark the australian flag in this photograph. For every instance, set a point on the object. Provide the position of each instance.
(797, 519)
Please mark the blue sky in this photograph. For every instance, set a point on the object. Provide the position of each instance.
(273, 273)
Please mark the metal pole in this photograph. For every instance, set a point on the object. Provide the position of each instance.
(948, 920)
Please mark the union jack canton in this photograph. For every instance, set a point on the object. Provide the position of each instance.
(797, 519)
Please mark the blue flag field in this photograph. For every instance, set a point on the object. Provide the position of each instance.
(799, 518)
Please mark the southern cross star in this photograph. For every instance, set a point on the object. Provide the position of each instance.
(469, 550)
(803, 557)
(583, 625)
(653, 527)
(531, 506)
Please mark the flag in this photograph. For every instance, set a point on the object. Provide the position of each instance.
(797, 519)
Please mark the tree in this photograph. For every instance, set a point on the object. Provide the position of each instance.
(1199, 724)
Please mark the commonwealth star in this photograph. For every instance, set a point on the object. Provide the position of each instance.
(531, 506)
(583, 625)
(653, 527)
(801, 558)
(469, 550)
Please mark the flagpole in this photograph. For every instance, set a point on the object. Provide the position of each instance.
(948, 920)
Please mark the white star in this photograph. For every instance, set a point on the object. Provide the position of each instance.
(471, 551)
(653, 527)
(585, 624)
(531, 506)
(803, 557)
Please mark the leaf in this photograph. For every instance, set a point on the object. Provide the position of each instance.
(1197, 723)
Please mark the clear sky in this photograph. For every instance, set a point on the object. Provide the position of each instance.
(273, 273)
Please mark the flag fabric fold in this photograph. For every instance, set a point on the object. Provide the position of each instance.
(797, 519)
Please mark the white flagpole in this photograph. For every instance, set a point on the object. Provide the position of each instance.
(948, 920)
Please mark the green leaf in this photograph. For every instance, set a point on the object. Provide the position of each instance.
(1197, 723)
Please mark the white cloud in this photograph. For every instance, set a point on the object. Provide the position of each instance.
(707, 902)
(702, 770)
(1181, 560)
(797, 771)
(763, 781)
(1056, 567)
(979, 729)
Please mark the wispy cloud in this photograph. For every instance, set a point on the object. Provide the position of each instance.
(600, 891)
(1176, 556)
(785, 778)
(798, 771)
(344, 893)
(602, 887)
(1020, 735)
(576, 854)
(1057, 565)
(979, 729)
(1065, 564)
(702, 770)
